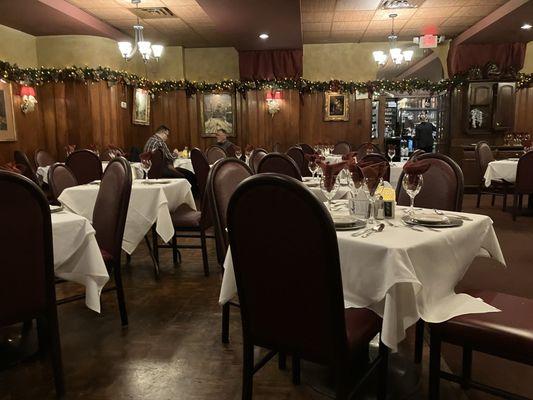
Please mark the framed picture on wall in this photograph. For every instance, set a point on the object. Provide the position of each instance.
(141, 107)
(336, 106)
(8, 132)
(217, 111)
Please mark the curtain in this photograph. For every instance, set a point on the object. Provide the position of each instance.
(465, 56)
(270, 64)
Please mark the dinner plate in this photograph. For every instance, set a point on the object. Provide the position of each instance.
(307, 179)
(429, 218)
(155, 182)
(347, 222)
(54, 209)
(450, 223)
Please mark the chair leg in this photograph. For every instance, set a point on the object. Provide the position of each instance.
(434, 365)
(493, 200)
(520, 202)
(128, 259)
(282, 360)
(120, 295)
(155, 246)
(55, 353)
(419, 341)
(175, 249)
(247, 372)
(295, 369)
(154, 261)
(383, 371)
(504, 208)
(225, 323)
(515, 205)
(478, 197)
(467, 367)
(204, 253)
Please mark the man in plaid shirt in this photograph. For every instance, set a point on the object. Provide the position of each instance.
(158, 141)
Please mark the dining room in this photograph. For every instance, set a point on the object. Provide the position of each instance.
(292, 199)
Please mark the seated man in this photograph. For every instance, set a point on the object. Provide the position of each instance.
(158, 141)
(222, 140)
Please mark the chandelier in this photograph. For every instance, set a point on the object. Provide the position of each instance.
(144, 47)
(396, 54)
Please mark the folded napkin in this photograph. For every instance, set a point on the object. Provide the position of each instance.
(349, 156)
(373, 173)
(415, 168)
(249, 148)
(12, 167)
(69, 148)
(116, 150)
(92, 147)
(356, 173)
(330, 172)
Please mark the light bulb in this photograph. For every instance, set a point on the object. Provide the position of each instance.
(157, 50)
(408, 55)
(398, 60)
(395, 52)
(144, 48)
(125, 48)
(377, 55)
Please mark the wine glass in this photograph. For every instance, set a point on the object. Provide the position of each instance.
(370, 186)
(412, 184)
(391, 152)
(329, 187)
(238, 152)
(313, 166)
(145, 166)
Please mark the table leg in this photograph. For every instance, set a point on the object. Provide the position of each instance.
(154, 261)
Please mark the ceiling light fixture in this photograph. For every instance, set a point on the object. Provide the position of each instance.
(526, 27)
(264, 36)
(396, 54)
(144, 47)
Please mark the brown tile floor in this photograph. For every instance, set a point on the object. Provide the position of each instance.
(172, 348)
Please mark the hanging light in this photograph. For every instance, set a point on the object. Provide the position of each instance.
(396, 54)
(408, 55)
(144, 47)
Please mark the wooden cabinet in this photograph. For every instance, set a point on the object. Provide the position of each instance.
(505, 106)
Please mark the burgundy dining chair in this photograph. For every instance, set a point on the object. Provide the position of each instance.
(306, 148)
(60, 177)
(484, 156)
(291, 298)
(158, 163)
(366, 148)
(524, 181)
(201, 168)
(223, 179)
(43, 158)
(255, 157)
(507, 334)
(297, 154)
(215, 153)
(417, 153)
(28, 170)
(27, 286)
(85, 165)
(342, 148)
(376, 158)
(279, 163)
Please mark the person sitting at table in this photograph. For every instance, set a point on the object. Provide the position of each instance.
(158, 141)
(222, 139)
(424, 134)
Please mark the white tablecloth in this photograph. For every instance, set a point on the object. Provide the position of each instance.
(136, 170)
(183, 163)
(77, 257)
(148, 203)
(501, 169)
(404, 275)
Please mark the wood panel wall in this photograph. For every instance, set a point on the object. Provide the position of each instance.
(83, 114)
(524, 111)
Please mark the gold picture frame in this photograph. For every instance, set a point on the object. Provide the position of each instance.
(217, 111)
(141, 107)
(8, 131)
(336, 106)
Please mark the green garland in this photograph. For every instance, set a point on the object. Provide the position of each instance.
(39, 76)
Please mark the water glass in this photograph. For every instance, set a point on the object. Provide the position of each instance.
(412, 184)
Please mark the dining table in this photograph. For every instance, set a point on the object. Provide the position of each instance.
(501, 170)
(406, 273)
(77, 257)
(185, 163)
(152, 201)
(136, 170)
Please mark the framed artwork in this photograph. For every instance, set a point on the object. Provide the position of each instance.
(8, 132)
(336, 106)
(141, 106)
(217, 110)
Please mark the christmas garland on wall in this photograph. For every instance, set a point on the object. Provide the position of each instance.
(40, 76)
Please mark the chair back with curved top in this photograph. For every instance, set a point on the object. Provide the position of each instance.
(215, 153)
(280, 164)
(417, 153)
(524, 174)
(342, 148)
(60, 177)
(306, 148)
(28, 170)
(111, 207)
(367, 148)
(223, 179)
(483, 156)
(442, 187)
(201, 169)
(297, 154)
(377, 158)
(158, 163)
(279, 308)
(85, 165)
(43, 158)
(255, 157)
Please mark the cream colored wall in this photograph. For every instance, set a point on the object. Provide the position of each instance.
(345, 61)
(17, 47)
(442, 52)
(211, 64)
(528, 62)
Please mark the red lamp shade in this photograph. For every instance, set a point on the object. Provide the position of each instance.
(27, 91)
(277, 95)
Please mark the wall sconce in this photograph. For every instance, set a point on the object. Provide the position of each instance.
(273, 104)
(28, 99)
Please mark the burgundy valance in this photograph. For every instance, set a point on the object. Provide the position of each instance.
(270, 64)
(465, 56)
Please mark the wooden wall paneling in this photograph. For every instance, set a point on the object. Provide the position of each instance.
(182, 119)
(524, 110)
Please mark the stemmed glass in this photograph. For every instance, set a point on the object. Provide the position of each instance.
(412, 184)
(329, 188)
(238, 152)
(369, 187)
(313, 166)
(145, 166)
(391, 152)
